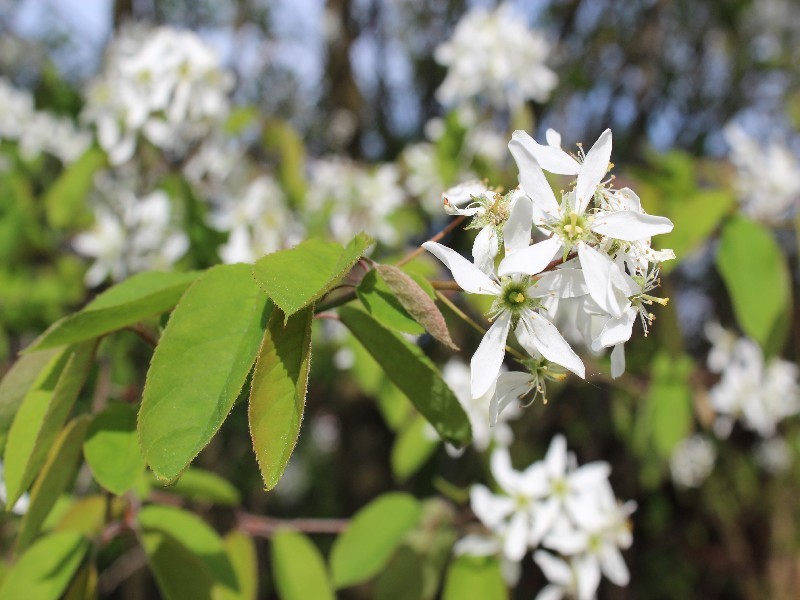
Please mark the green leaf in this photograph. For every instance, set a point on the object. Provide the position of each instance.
(112, 450)
(21, 378)
(41, 416)
(371, 538)
(299, 568)
(402, 579)
(412, 448)
(278, 391)
(413, 373)
(84, 584)
(667, 416)
(65, 201)
(179, 573)
(200, 540)
(474, 578)
(281, 139)
(86, 516)
(756, 275)
(46, 568)
(417, 302)
(205, 486)
(200, 366)
(57, 473)
(381, 303)
(127, 303)
(241, 551)
(297, 277)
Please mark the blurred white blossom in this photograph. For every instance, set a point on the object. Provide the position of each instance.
(38, 131)
(773, 455)
(164, 84)
(692, 461)
(493, 55)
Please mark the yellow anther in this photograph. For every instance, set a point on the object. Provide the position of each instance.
(520, 297)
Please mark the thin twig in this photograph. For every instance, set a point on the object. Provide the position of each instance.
(417, 251)
(445, 285)
(259, 526)
(327, 315)
(143, 333)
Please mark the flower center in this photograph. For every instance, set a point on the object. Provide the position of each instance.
(573, 228)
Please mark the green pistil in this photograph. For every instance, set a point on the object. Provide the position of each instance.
(495, 211)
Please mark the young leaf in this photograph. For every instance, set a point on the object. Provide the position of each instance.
(200, 366)
(205, 486)
(21, 378)
(370, 540)
(46, 568)
(756, 275)
(418, 303)
(413, 373)
(298, 568)
(474, 578)
(241, 551)
(297, 277)
(59, 468)
(127, 303)
(112, 450)
(381, 303)
(191, 532)
(40, 417)
(278, 392)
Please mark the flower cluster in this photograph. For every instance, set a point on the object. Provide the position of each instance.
(759, 393)
(36, 131)
(768, 177)
(132, 232)
(166, 85)
(595, 263)
(493, 55)
(692, 461)
(559, 506)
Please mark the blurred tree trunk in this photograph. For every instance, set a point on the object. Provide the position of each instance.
(341, 90)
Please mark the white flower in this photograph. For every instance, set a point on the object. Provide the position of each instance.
(577, 579)
(516, 305)
(493, 55)
(692, 461)
(773, 455)
(570, 224)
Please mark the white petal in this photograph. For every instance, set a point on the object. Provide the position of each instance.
(555, 569)
(550, 592)
(551, 158)
(618, 361)
(614, 566)
(546, 514)
(484, 249)
(516, 542)
(589, 476)
(556, 458)
(588, 573)
(510, 386)
(468, 276)
(532, 179)
(563, 283)
(517, 230)
(553, 138)
(630, 226)
(618, 331)
(488, 358)
(476, 545)
(536, 331)
(531, 260)
(593, 169)
(597, 271)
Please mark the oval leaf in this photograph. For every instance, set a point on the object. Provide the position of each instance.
(205, 486)
(127, 303)
(474, 578)
(20, 378)
(45, 570)
(112, 450)
(241, 551)
(200, 366)
(756, 275)
(412, 448)
(413, 373)
(180, 574)
(191, 532)
(278, 392)
(299, 568)
(57, 473)
(382, 304)
(41, 416)
(371, 538)
(418, 303)
(297, 277)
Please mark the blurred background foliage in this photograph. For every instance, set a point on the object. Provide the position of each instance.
(357, 78)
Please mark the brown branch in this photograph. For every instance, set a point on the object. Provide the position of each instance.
(143, 333)
(266, 527)
(417, 251)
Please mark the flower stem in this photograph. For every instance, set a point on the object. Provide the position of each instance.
(417, 251)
